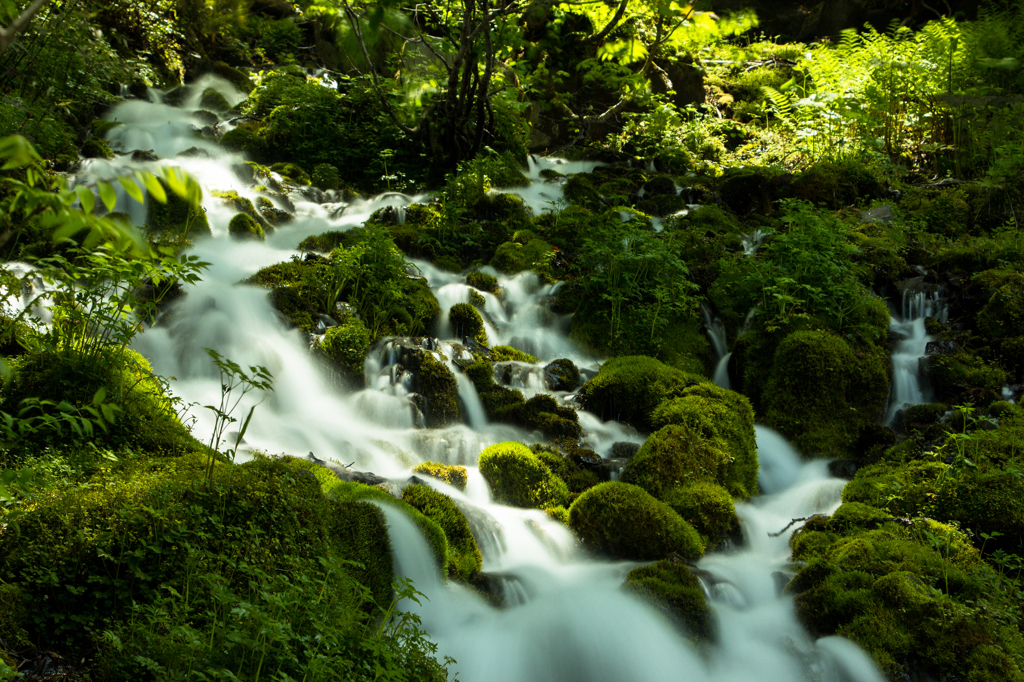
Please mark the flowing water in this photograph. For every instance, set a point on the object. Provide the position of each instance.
(909, 385)
(566, 617)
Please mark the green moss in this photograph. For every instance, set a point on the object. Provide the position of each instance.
(561, 375)
(716, 413)
(576, 478)
(677, 455)
(673, 589)
(464, 558)
(436, 383)
(452, 475)
(508, 353)
(246, 139)
(240, 204)
(706, 506)
(467, 323)
(624, 522)
(328, 241)
(907, 592)
(629, 388)
(178, 216)
(292, 172)
(512, 257)
(837, 184)
(175, 533)
(212, 100)
(1003, 315)
(346, 346)
(147, 419)
(95, 148)
(820, 393)
(244, 227)
(483, 282)
(962, 372)
(518, 478)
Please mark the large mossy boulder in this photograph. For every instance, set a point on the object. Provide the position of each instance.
(623, 521)
(467, 323)
(464, 558)
(672, 588)
(913, 593)
(717, 413)
(156, 528)
(821, 393)
(345, 346)
(676, 455)
(243, 227)
(518, 478)
(708, 507)
(629, 388)
(436, 383)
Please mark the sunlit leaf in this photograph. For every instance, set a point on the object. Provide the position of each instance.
(107, 195)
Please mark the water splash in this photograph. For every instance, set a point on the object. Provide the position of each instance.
(909, 385)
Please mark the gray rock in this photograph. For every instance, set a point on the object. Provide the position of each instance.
(878, 214)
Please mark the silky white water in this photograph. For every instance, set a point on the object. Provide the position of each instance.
(567, 617)
(908, 381)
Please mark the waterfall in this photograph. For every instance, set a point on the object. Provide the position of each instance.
(909, 385)
(716, 332)
(570, 620)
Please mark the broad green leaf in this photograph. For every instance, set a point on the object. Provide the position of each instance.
(107, 195)
(87, 198)
(133, 189)
(153, 186)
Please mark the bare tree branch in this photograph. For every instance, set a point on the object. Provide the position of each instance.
(610, 26)
(7, 35)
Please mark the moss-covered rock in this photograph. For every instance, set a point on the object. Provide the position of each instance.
(467, 323)
(525, 251)
(178, 217)
(1003, 315)
(670, 587)
(717, 413)
(212, 100)
(567, 468)
(821, 393)
(561, 375)
(455, 476)
(346, 345)
(677, 455)
(244, 227)
(95, 148)
(483, 282)
(907, 591)
(508, 353)
(464, 558)
(963, 376)
(436, 383)
(518, 478)
(146, 420)
(629, 388)
(624, 522)
(706, 506)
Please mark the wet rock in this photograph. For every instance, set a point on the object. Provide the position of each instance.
(141, 155)
(624, 449)
(195, 153)
(843, 468)
(879, 214)
(561, 375)
(611, 468)
(587, 459)
(781, 580)
(941, 348)
(207, 118)
(274, 215)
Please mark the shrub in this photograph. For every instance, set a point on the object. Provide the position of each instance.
(519, 479)
(625, 522)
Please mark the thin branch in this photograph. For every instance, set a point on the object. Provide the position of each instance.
(7, 35)
(794, 522)
(610, 26)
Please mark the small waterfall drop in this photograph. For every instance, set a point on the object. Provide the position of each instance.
(909, 385)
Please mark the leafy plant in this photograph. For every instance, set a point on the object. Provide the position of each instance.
(235, 384)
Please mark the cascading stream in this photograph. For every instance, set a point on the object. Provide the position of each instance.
(568, 617)
(909, 386)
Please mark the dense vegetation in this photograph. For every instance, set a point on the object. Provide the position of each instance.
(790, 185)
